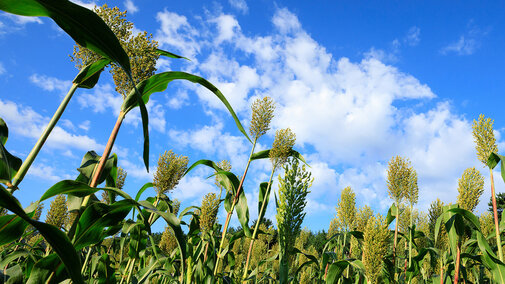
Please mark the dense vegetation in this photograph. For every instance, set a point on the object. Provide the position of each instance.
(109, 240)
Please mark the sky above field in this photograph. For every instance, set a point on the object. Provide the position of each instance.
(357, 82)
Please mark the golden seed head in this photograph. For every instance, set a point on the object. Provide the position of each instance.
(402, 180)
(58, 212)
(169, 172)
(281, 149)
(346, 209)
(262, 114)
(375, 247)
(224, 165)
(470, 188)
(484, 138)
(121, 176)
(141, 50)
(209, 209)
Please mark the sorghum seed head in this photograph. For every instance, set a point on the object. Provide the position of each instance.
(262, 114)
(282, 146)
(470, 188)
(484, 138)
(169, 172)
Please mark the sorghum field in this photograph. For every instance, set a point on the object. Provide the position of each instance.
(94, 232)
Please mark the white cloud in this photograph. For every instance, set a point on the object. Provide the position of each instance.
(2, 68)
(46, 173)
(464, 46)
(85, 125)
(130, 7)
(105, 100)
(412, 38)
(23, 20)
(467, 43)
(26, 122)
(286, 21)
(240, 5)
(50, 83)
(88, 4)
(352, 115)
(227, 26)
(176, 32)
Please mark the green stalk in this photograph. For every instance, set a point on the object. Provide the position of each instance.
(495, 213)
(262, 210)
(228, 216)
(410, 236)
(42, 139)
(395, 240)
(85, 264)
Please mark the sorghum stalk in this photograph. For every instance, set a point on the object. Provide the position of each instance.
(255, 232)
(495, 214)
(105, 155)
(485, 141)
(42, 139)
(235, 199)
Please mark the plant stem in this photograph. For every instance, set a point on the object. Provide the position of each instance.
(411, 235)
(495, 213)
(228, 216)
(256, 227)
(456, 269)
(85, 264)
(105, 155)
(395, 240)
(42, 139)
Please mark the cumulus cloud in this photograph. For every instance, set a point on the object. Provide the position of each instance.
(176, 31)
(24, 121)
(467, 43)
(103, 99)
(50, 83)
(350, 117)
(130, 7)
(240, 5)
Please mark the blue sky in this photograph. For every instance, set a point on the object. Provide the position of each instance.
(358, 83)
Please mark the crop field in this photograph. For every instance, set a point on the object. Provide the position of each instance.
(93, 231)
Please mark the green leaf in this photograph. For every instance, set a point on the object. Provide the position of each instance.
(243, 213)
(96, 218)
(70, 187)
(262, 195)
(265, 155)
(493, 160)
(48, 270)
(12, 228)
(392, 213)
(83, 25)
(88, 166)
(56, 238)
(170, 54)
(4, 132)
(335, 270)
(89, 75)
(159, 83)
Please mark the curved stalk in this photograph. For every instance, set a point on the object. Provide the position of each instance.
(256, 227)
(42, 139)
(495, 213)
(228, 216)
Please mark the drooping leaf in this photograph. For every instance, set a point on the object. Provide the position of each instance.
(9, 164)
(12, 228)
(265, 155)
(170, 54)
(159, 83)
(392, 214)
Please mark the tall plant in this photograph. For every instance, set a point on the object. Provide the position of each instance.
(485, 144)
(293, 189)
(281, 150)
